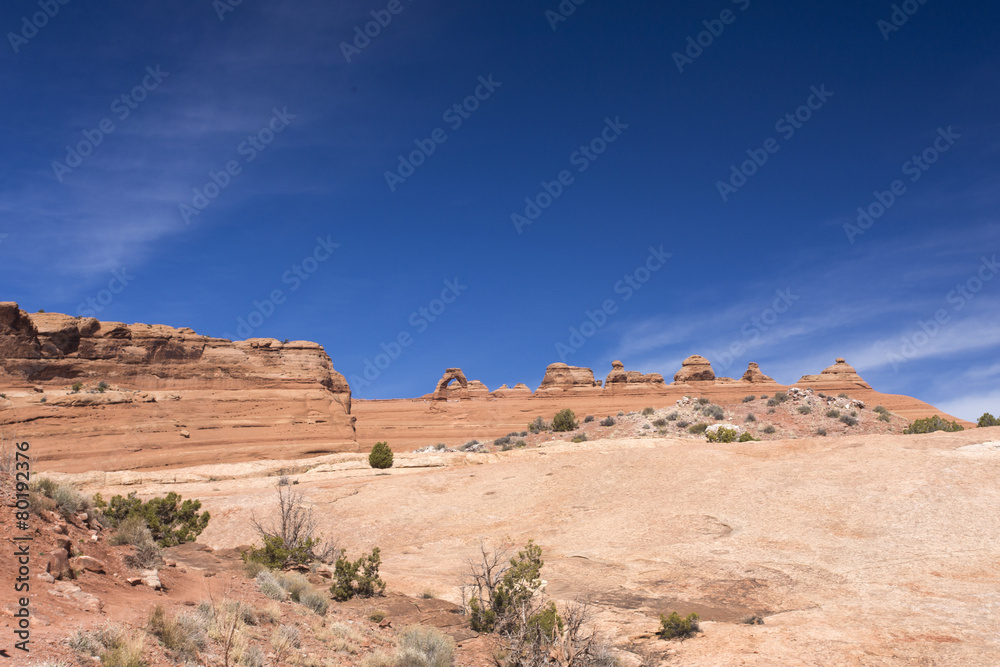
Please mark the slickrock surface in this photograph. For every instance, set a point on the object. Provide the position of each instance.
(856, 550)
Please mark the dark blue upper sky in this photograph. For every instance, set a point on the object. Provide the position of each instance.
(209, 162)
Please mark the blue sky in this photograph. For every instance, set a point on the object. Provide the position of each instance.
(177, 165)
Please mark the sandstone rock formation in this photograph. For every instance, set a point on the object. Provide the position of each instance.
(518, 390)
(450, 375)
(753, 375)
(561, 378)
(839, 377)
(463, 389)
(257, 392)
(695, 368)
(619, 380)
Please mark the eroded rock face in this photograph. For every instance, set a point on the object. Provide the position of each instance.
(695, 368)
(754, 375)
(262, 387)
(841, 375)
(561, 377)
(619, 380)
(450, 375)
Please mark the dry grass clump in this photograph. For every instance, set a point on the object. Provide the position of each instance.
(420, 646)
(113, 645)
(184, 635)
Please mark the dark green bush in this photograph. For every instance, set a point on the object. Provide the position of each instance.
(170, 521)
(769, 429)
(588, 419)
(833, 414)
(750, 418)
(931, 424)
(275, 554)
(746, 437)
(849, 420)
(102, 386)
(580, 438)
(357, 578)
(660, 422)
(988, 420)
(564, 421)
(677, 627)
(881, 410)
(749, 399)
(722, 435)
(884, 418)
(380, 456)
(608, 421)
(698, 428)
(805, 410)
(77, 386)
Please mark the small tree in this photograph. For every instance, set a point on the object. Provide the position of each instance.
(499, 590)
(988, 420)
(358, 578)
(380, 456)
(676, 626)
(294, 539)
(564, 420)
(170, 520)
(931, 424)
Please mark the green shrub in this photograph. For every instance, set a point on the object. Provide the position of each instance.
(842, 395)
(102, 386)
(170, 521)
(772, 402)
(769, 429)
(660, 423)
(753, 620)
(750, 418)
(677, 627)
(357, 578)
(698, 428)
(564, 420)
(722, 435)
(833, 414)
(420, 646)
(380, 456)
(884, 418)
(69, 501)
(546, 622)
(588, 419)
(648, 411)
(539, 425)
(880, 409)
(849, 420)
(684, 424)
(580, 438)
(493, 602)
(703, 401)
(274, 554)
(673, 416)
(746, 437)
(77, 386)
(608, 421)
(931, 424)
(805, 410)
(988, 420)
(313, 599)
(781, 396)
(749, 399)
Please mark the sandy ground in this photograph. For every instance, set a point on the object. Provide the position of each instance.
(856, 550)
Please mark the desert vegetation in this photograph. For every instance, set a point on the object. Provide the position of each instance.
(931, 424)
(380, 456)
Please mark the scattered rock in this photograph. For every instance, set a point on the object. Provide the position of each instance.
(89, 564)
(185, 433)
(151, 578)
(58, 563)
